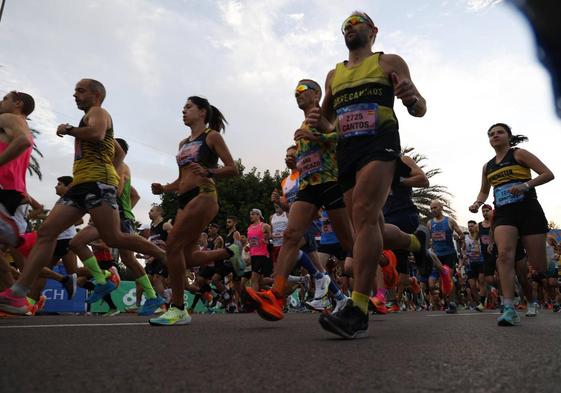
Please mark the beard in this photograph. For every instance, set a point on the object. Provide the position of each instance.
(359, 40)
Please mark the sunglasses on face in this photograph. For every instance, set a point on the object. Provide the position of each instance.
(354, 20)
(302, 88)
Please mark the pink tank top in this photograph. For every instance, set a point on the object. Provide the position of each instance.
(12, 174)
(256, 240)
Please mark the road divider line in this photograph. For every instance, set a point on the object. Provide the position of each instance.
(74, 325)
(463, 315)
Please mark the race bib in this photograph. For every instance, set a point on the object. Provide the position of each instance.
(439, 235)
(309, 163)
(253, 242)
(504, 197)
(188, 153)
(357, 119)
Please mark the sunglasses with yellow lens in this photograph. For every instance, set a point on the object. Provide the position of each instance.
(302, 88)
(354, 20)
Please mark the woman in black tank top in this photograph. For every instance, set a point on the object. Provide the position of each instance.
(197, 160)
(518, 215)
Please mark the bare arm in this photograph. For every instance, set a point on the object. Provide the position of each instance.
(404, 89)
(97, 122)
(216, 142)
(531, 161)
(456, 228)
(417, 178)
(483, 192)
(135, 196)
(267, 232)
(19, 135)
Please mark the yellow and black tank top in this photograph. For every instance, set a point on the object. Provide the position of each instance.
(363, 99)
(93, 160)
(505, 174)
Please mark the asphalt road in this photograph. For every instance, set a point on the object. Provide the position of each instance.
(406, 352)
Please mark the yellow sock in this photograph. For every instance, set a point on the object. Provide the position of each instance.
(414, 243)
(361, 301)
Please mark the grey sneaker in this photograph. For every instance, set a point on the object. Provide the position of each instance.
(532, 310)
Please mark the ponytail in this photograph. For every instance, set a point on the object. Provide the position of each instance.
(214, 118)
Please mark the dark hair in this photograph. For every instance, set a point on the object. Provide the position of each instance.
(66, 180)
(214, 225)
(97, 87)
(472, 222)
(487, 206)
(233, 218)
(291, 147)
(123, 143)
(28, 102)
(514, 139)
(214, 118)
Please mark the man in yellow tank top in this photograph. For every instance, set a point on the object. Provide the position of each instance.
(93, 191)
(359, 98)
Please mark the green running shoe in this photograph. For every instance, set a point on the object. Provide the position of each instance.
(173, 316)
(509, 317)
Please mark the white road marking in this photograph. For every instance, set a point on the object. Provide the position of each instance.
(75, 325)
(464, 315)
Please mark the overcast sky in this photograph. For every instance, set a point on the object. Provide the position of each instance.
(473, 60)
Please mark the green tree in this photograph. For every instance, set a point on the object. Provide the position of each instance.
(34, 167)
(422, 197)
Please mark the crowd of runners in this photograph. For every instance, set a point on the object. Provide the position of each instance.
(345, 238)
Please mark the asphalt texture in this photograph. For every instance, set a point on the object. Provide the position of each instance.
(405, 352)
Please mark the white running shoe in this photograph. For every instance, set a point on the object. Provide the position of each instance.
(318, 304)
(532, 310)
(322, 286)
(339, 304)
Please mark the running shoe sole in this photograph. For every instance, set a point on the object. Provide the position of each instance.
(326, 324)
(265, 310)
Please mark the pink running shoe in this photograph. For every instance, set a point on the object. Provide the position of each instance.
(13, 304)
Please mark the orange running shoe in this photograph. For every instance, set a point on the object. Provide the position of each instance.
(266, 303)
(446, 280)
(379, 305)
(393, 308)
(40, 303)
(391, 276)
(415, 287)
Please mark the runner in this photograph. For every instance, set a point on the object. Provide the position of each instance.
(127, 197)
(258, 235)
(93, 191)
(317, 188)
(473, 255)
(489, 260)
(198, 201)
(518, 213)
(360, 96)
(16, 144)
(442, 229)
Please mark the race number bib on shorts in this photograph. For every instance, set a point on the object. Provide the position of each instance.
(309, 163)
(504, 197)
(357, 119)
(439, 235)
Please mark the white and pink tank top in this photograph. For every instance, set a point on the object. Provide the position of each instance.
(12, 173)
(256, 240)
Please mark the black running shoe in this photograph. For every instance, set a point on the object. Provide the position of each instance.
(422, 234)
(349, 322)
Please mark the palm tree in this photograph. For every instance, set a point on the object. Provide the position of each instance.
(422, 197)
(34, 166)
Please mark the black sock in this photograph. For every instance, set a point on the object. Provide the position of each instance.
(195, 300)
(181, 307)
